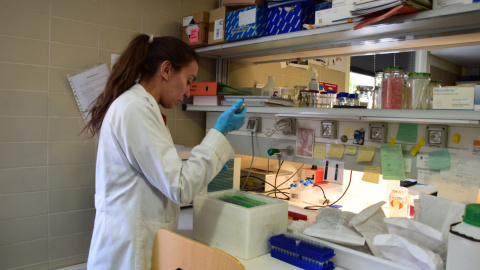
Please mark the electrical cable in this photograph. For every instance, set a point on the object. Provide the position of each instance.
(316, 207)
(274, 187)
(288, 198)
(251, 164)
(327, 201)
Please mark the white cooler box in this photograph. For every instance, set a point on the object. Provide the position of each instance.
(242, 232)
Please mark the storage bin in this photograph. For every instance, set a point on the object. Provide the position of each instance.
(288, 16)
(242, 232)
(250, 22)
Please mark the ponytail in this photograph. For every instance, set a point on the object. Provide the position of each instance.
(142, 58)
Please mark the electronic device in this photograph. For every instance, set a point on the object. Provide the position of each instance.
(263, 180)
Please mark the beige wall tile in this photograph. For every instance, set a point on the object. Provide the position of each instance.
(17, 180)
(64, 262)
(71, 56)
(71, 176)
(62, 105)
(189, 129)
(120, 15)
(69, 153)
(73, 32)
(23, 205)
(22, 129)
(39, 266)
(71, 222)
(70, 245)
(23, 103)
(15, 155)
(115, 39)
(23, 254)
(65, 129)
(65, 200)
(22, 24)
(189, 115)
(25, 51)
(105, 56)
(13, 76)
(206, 70)
(23, 229)
(58, 81)
(78, 10)
(35, 6)
(163, 7)
(160, 25)
(190, 7)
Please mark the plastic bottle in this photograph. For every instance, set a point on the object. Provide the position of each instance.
(313, 84)
(271, 89)
(294, 196)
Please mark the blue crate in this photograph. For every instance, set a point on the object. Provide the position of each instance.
(250, 22)
(288, 16)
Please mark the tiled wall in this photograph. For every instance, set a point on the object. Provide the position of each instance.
(46, 171)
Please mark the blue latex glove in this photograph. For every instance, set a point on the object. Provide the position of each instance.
(229, 120)
(225, 167)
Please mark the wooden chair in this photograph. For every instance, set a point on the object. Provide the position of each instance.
(172, 251)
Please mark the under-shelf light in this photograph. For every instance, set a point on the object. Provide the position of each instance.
(317, 116)
(421, 120)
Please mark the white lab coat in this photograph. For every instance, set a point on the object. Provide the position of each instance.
(141, 181)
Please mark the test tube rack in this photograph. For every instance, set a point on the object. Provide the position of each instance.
(242, 201)
(301, 252)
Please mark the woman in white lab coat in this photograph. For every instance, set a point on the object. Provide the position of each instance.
(140, 179)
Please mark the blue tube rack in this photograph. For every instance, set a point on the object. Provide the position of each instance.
(301, 252)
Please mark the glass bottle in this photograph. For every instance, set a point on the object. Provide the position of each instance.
(392, 88)
(427, 98)
(342, 99)
(398, 202)
(365, 96)
(416, 87)
(377, 103)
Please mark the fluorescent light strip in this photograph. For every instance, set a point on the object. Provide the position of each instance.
(316, 116)
(421, 120)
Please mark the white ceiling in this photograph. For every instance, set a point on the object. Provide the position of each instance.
(468, 57)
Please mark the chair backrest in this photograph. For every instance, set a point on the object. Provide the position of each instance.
(172, 251)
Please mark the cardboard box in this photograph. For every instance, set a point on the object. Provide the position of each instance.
(242, 2)
(216, 26)
(438, 4)
(195, 29)
(328, 86)
(286, 18)
(204, 89)
(250, 22)
(453, 98)
(339, 13)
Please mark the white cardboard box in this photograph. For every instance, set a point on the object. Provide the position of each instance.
(437, 4)
(242, 232)
(339, 13)
(453, 98)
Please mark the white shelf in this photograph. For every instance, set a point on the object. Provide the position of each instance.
(426, 29)
(420, 116)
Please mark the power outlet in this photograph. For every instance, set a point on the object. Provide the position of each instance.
(253, 124)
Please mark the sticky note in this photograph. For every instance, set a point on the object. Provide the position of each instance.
(371, 174)
(393, 166)
(336, 150)
(417, 147)
(392, 141)
(407, 132)
(348, 131)
(456, 138)
(365, 153)
(194, 35)
(438, 160)
(351, 150)
(319, 150)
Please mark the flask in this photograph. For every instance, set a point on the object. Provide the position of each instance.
(271, 89)
(392, 88)
(398, 202)
(416, 87)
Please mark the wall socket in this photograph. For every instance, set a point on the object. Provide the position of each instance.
(253, 124)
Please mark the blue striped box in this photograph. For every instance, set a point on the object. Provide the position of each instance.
(250, 22)
(289, 17)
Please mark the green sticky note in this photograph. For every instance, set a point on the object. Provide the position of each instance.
(393, 165)
(438, 160)
(407, 132)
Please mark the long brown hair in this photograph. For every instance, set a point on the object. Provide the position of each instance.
(141, 59)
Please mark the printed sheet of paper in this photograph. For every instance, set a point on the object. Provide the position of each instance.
(407, 132)
(350, 150)
(393, 166)
(333, 171)
(365, 153)
(422, 160)
(371, 174)
(319, 150)
(348, 131)
(336, 150)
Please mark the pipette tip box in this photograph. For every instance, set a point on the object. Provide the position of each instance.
(241, 230)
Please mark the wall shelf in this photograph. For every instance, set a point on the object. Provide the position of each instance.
(419, 116)
(426, 29)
